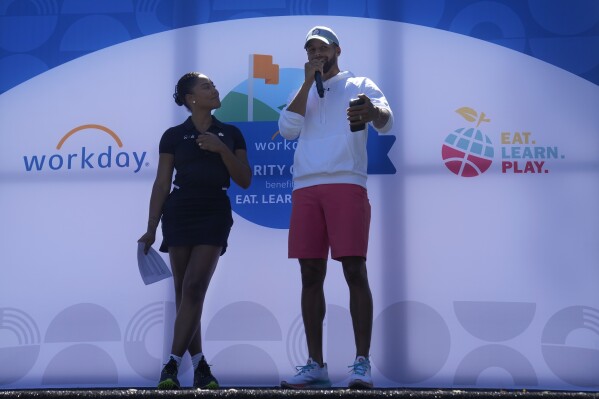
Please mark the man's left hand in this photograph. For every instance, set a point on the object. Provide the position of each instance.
(363, 113)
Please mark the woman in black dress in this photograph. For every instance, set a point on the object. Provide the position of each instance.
(196, 215)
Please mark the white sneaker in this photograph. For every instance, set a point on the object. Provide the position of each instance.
(360, 374)
(310, 376)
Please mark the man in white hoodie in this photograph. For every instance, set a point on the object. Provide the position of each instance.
(330, 206)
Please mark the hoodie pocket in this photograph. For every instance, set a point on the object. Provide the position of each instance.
(327, 155)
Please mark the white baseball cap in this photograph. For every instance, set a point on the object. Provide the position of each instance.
(323, 34)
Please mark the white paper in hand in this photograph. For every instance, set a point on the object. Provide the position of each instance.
(151, 266)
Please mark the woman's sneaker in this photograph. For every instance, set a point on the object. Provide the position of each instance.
(310, 376)
(168, 377)
(360, 374)
(203, 378)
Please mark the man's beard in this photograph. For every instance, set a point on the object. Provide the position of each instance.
(329, 64)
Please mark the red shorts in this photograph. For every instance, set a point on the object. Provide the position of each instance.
(329, 215)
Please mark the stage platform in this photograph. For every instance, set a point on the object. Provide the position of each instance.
(272, 393)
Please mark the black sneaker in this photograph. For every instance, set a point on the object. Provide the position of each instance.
(168, 377)
(203, 378)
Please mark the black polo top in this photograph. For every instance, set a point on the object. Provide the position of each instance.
(195, 167)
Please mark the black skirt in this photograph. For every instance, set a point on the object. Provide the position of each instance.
(196, 217)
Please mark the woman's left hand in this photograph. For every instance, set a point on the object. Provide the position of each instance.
(210, 142)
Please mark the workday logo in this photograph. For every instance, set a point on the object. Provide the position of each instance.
(468, 152)
(254, 107)
(71, 158)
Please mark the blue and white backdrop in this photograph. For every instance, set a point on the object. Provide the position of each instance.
(484, 247)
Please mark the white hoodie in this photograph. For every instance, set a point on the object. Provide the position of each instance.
(327, 151)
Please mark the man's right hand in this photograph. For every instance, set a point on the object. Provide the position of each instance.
(311, 67)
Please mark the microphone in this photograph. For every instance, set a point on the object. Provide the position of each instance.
(319, 87)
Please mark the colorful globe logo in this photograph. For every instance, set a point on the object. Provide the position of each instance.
(467, 152)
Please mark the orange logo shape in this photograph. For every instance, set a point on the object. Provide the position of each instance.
(90, 126)
(265, 69)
